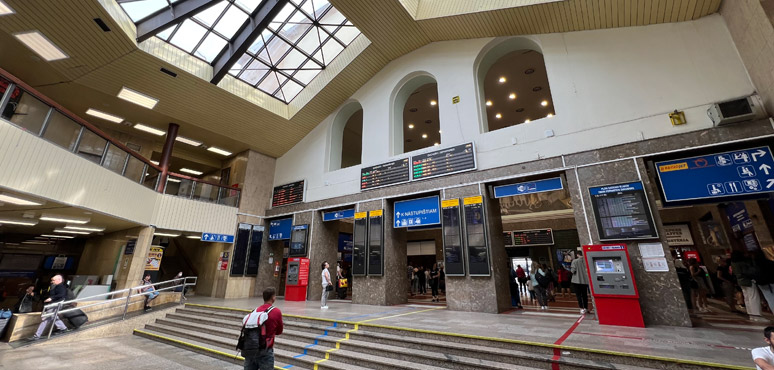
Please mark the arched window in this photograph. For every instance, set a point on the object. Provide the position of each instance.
(513, 85)
(415, 115)
(347, 137)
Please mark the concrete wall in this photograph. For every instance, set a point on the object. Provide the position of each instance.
(101, 253)
(609, 87)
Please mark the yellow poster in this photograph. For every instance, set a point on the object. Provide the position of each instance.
(154, 259)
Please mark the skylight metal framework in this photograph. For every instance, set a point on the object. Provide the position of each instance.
(277, 46)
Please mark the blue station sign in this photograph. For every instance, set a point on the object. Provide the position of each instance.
(217, 238)
(339, 215)
(280, 229)
(531, 187)
(727, 174)
(418, 212)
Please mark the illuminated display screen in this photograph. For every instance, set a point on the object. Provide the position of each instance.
(384, 174)
(443, 162)
(288, 194)
(609, 266)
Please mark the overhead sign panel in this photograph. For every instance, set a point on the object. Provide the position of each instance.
(720, 175)
(442, 162)
(622, 212)
(280, 229)
(418, 212)
(339, 215)
(530, 187)
(384, 174)
(287, 194)
(533, 237)
(217, 238)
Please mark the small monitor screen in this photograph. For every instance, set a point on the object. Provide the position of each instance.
(608, 265)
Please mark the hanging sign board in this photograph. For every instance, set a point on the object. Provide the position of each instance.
(443, 162)
(454, 262)
(533, 237)
(622, 212)
(280, 229)
(375, 243)
(287, 194)
(343, 214)
(418, 212)
(475, 236)
(531, 187)
(359, 235)
(130, 246)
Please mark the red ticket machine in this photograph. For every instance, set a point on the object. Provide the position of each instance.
(613, 286)
(297, 279)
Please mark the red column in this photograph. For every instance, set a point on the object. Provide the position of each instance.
(166, 154)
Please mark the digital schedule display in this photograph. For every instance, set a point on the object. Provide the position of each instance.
(360, 235)
(533, 237)
(622, 212)
(452, 238)
(443, 162)
(287, 194)
(384, 174)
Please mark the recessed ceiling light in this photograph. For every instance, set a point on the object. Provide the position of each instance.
(71, 220)
(17, 201)
(440, 132)
(433, 102)
(5, 9)
(172, 179)
(105, 116)
(411, 125)
(424, 136)
(550, 115)
(84, 228)
(154, 162)
(57, 236)
(35, 242)
(41, 45)
(20, 222)
(193, 237)
(137, 98)
(192, 172)
(188, 141)
(149, 129)
(219, 151)
(544, 103)
(527, 120)
(512, 96)
(436, 144)
(501, 80)
(498, 116)
(65, 231)
(488, 103)
(167, 234)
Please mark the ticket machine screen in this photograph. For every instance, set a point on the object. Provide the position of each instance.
(608, 265)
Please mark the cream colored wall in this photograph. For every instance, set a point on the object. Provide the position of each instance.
(100, 252)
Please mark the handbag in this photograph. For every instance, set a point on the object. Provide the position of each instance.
(329, 288)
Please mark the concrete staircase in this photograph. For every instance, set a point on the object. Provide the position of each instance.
(309, 343)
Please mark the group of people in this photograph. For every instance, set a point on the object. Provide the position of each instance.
(543, 284)
(421, 278)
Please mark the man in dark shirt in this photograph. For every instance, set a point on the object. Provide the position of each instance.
(56, 293)
(264, 359)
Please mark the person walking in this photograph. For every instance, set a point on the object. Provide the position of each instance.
(56, 293)
(763, 357)
(513, 285)
(580, 282)
(745, 272)
(435, 280)
(700, 285)
(727, 282)
(257, 358)
(26, 300)
(522, 278)
(540, 281)
(564, 278)
(326, 282)
(422, 280)
(765, 277)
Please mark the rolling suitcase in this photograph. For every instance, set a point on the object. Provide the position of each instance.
(76, 318)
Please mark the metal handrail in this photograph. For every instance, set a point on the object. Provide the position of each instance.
(57, 306)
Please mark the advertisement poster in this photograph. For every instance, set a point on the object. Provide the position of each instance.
(59, 263)
(712, 234)
(565, 256)
(223, 261)
(678, 235)
(154, 259)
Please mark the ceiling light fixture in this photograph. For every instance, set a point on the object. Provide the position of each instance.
(512, 96)
(527, 120)
(501, 80)
(5, 9)
(137, 98)
(170, 179)
(436, 144)
(149, 129)
(498, 116)
(105, 116)
(544, 103)
(167, 234)
(192, 172)
(550, 115)
(411, 125)
(488, 103)
(433, 102)
(424, 136)
(188, 141)
(57, 236)
(154, 162)
(70, 220)
(41, 45)
(19, 222)
(84, 228)
(65, 231)
(35, 242)
(219, 151)
(17, 201)
(440, 132)
(193, 237)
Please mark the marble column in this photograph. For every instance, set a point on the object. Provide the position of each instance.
(481, 293)
(661, 299)
(271, 253)
(133, 265)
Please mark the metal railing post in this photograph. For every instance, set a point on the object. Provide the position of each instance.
(104, 154)
(144, 173)
(46, 120)
(193, 190)
(126, 306)
(53, 319)
(126, 163)
(78, 140)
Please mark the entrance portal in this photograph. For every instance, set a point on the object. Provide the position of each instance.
(427, 280)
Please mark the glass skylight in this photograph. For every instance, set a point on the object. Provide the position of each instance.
(303, 38)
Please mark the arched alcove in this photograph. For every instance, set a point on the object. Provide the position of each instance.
(346, 137)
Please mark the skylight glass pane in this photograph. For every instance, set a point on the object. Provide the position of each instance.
(188, 36)
(164, 35)
(279, 96)
(277, 49)
(211, 47)
(308, 8)
(333, 16)
(248, 5)
(346, 34)
(299, 17)
(243, 61)
(293, 31)
(330, 50)
(231, 22)
(306, 76)
(291, 89)
(310, 42)
(259, 42)
(211, 14)
(264, 56)
(270, 84)
(137, 10)
(254, 72)
(285, 13)
(274, 26)
(293, 60)
(320, 6)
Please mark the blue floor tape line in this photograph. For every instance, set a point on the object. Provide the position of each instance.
(325, 334)
(287, 366)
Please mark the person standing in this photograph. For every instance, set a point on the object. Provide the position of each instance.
(26, 300)
(564, 278)
(763, 357)
(415, 281)
(56, 293)
(422, 280)
(427, 279)
(522, 278)
(513, 285)
(435, 279)
(257, 358)
(540, 283)
(580, 282)
(765, 277)
(727, 282)
(326, 282)
(700, 291)
(745, 272)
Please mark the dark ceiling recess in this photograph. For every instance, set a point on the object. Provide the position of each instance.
(529, 71)
(173, 74)
(413, 110)
(537, 88)
(420, 108)
(102, 24)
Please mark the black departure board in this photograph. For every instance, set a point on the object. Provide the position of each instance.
(533, 237)
(284, 195)
(384, 174)
(375, 243)
(452, 238)
(443, 162)
(622, 212)
(475, 236)
(359, 240)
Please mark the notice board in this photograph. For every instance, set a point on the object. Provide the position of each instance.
(359, 235)
(475, 235)
(454, 263)
(375, 243)
(622, 212)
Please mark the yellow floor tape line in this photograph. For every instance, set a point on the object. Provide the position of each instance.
(402, 314)
(338, 345)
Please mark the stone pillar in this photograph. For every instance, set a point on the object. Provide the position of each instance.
(323, 246)
(392, 287)
(132, 266)
(269, 250)
(481, 293)
(661, 299)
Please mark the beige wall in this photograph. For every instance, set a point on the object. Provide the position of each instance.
(100, 253)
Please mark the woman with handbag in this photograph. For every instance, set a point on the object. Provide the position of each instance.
(327, 286)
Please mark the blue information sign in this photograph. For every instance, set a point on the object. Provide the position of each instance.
(280, 229)
(532, 187)
(418, 212)
(339, 215)
(727, 174)
(217, 238)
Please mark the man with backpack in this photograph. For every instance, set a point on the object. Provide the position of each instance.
(56, 293)
(258, 331)
(541, 281)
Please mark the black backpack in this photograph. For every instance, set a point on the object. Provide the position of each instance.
(543, 280)
(253, 339)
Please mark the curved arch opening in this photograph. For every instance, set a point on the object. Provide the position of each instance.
(347, 137)
(416, 119)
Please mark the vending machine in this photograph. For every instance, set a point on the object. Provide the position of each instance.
(297, 279)
(613, 285)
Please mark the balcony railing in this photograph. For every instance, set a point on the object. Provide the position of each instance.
(35, 113)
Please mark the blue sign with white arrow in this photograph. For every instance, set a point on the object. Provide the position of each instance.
(339, 215)
(418, 212)
(280, 229)
(531, 187)
(217, 238)
(727, 174)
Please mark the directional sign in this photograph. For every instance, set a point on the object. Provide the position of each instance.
(727, 174)
(522, 188)
(339, 215)
(217, 238)
(418, 212)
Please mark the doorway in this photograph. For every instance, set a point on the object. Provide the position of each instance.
(424, 270)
